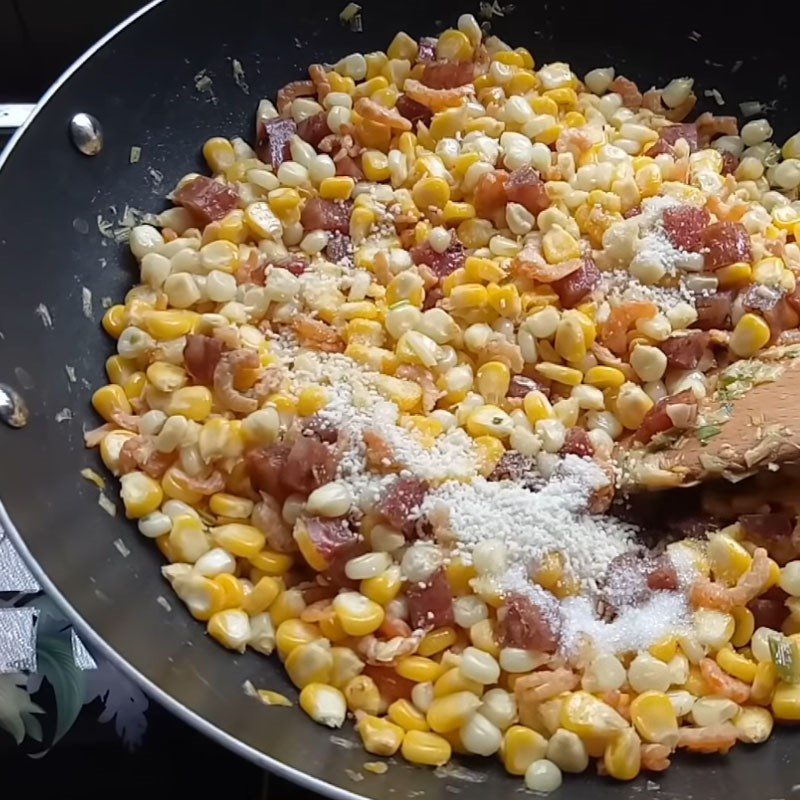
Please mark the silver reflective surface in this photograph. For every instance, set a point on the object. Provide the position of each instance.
(87, 134)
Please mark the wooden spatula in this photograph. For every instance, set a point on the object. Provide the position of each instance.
(751, 422)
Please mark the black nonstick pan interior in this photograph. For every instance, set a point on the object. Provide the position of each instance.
(141, 85)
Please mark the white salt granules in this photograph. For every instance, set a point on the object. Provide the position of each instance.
(634, 629)
(532, 524)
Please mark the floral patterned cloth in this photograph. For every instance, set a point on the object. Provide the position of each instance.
(38, 645)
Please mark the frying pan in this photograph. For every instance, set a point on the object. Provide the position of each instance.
(140, 83)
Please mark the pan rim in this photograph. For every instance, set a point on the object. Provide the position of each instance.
(7, 527)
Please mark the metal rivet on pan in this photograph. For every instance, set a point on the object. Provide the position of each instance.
(86, 134)
(13, 410)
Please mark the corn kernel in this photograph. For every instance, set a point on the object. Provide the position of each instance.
(456, 213)
(240, 540)
(654, 717)
(561, 374)
(379, 736)
(604, 377)
(744, 626)
(403, 713)
(419, 669)
(429, 192)
(749, 336)
(141, 494)
(623, 755)
(261, 596)
(231, 628)
(424, 747)
(309, 663)
(110, 401)
(337, 188)
(114, 321)
(521, 747)
(271, 562)
(362, 694)
(734, 275)
(436, 641)
(737, 664)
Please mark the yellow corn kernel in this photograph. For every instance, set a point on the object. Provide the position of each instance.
(456, 213)
(736, 664)
(489, 451)
(482, 634)
(232, 226)
(261, 596)
(379, 736)
(289, 604)
(166, 377)
(774, 575)
(232, 589)
(406, 394)
(358, 615)
(365, 331)
(383, 588)
(521, 82)
(141, 494)
(309, 663)
(324, 704)
(219, 154)
(229, 505)
(520, 748)
(570, 342)
(654, 717)
(419, 669)
(340, 83)
(436, 641)
(202, 596)
(407, 286)
(786, 702)
(451, 711)
(291, 633)
(537, 406)
(115, 320)
(262, 217)
(623, 755)
(375, 166)
(135, 385)
(734, 275)
(453, 45)
(426, 429)
(192, 402)
(604, 377)
(424, 747)
(283, 201)
(745, 626)
(310, 400)
(749, 336)
(240, 540)
(188, 540)
(590, 717)
(337, 188)
(174, 488)
(376, 358)
(493, 380)
(764, 683)
(728, 559)
(459, 576)
(665, 649)
(558, 245)
(768, 271)
(402, 46)
(574, 119)
(478, 269)
(362, 694)
(429, 192)
(110, 401)
(559, 373)
(505, 300)
(369, 87)
(453, 682)
(271, 562)
(231, 628)
(543, 105)
(331, 628)
(120, 370)
(169, 324)
(409, 718)
(468, 296)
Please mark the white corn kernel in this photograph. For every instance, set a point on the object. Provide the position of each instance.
(479, 666)
(649, 363)
(755, 132)
(367, 566)
(598, 80)
(713, 711)
(489, 557)
(331, 500)
(480, 736)
(566, 750)
(469, 610)
(647, 673)
(215, 562)
(420, 561)
(543, 776)
(515, 659)
(154, 525)
(499, 707)
(604, 673)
